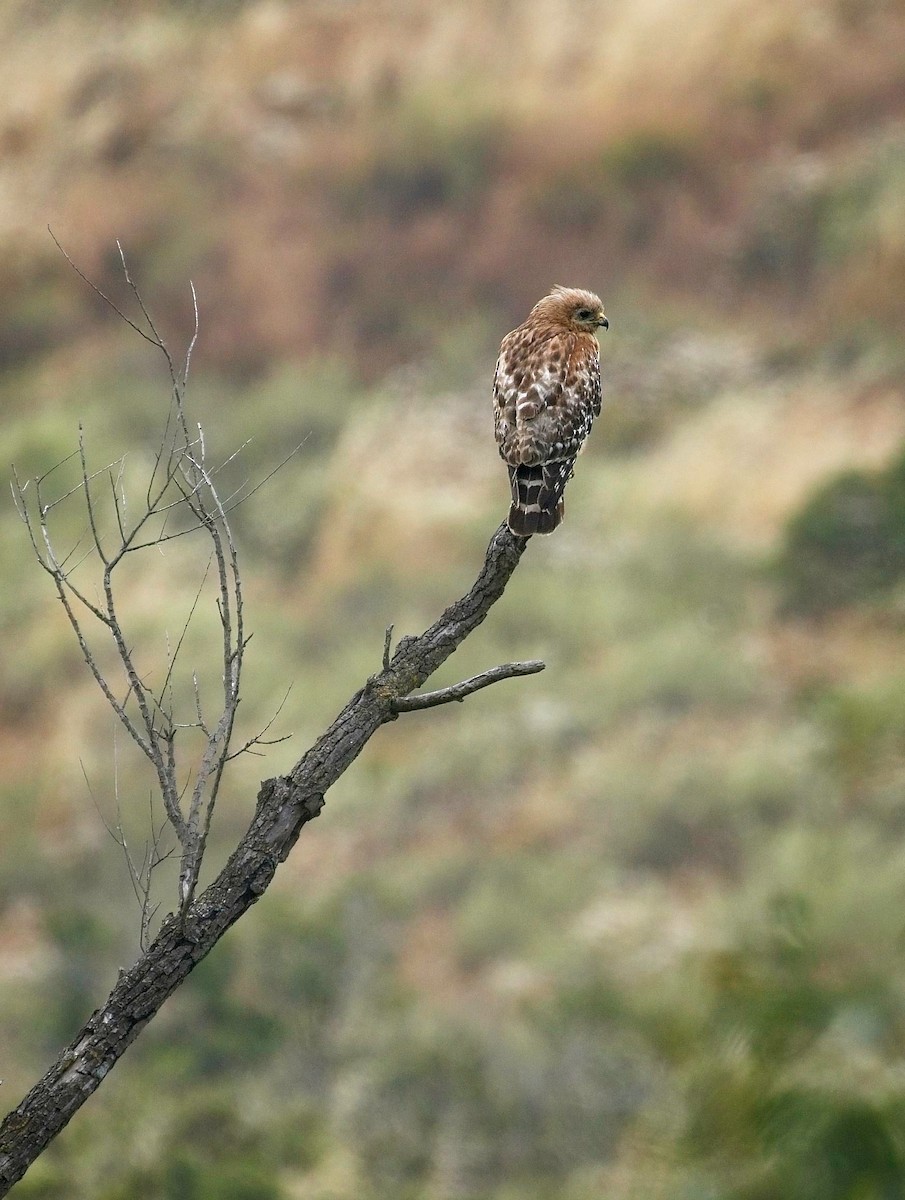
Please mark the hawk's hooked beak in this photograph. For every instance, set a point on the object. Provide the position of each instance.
(603, 323)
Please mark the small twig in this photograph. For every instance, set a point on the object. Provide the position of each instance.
(231, 504)
(156, 340)
(117, 495)
(119, 312)
(458, 691)
(387, 642)
(89, 501)
(51, 504)
(259, 739)
(182, 636)
(194, 339)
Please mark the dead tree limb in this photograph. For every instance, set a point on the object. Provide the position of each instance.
(284, 806)
(459, 691)
(180, 497)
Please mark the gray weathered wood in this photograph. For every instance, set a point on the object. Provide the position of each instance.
(284, 806)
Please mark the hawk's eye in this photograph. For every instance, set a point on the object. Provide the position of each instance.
(583, 314)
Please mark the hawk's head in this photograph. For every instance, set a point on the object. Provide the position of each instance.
(576, 309)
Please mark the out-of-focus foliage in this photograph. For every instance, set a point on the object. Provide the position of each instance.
(631, 928)
(847, 543)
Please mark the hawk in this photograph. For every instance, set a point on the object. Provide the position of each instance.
(546, 394)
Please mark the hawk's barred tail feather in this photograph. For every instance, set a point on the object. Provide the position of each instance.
(537, 504)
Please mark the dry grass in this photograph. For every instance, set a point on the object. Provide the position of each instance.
(746, 462)
(214, 146)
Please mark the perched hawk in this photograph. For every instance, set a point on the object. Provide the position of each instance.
(546, 394)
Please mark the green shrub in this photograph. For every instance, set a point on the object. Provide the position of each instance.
(579, 196)
(636, 168)
(775, 1103)
(847, 542)
(864, 746)
(424, 163)
(862, 212)
(208, 1151)
(779, 240)
(535, 1101)
(813, 219)
(648, 158)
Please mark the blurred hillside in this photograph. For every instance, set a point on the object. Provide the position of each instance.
(631, 928)
(355, 178)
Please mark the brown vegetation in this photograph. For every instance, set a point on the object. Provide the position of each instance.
(636, 933)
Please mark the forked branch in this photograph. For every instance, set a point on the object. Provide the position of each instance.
(284, 807)
(181, 497)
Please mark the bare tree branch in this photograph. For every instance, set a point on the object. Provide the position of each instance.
(458, 691)
(387, 643)
(97, 291)
(181, 482)
(259, 739)
(285, 805)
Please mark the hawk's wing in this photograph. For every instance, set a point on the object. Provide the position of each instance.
(546, 396)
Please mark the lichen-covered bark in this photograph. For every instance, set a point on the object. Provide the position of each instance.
(284, 806)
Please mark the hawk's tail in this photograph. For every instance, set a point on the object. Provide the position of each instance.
(537, 503)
